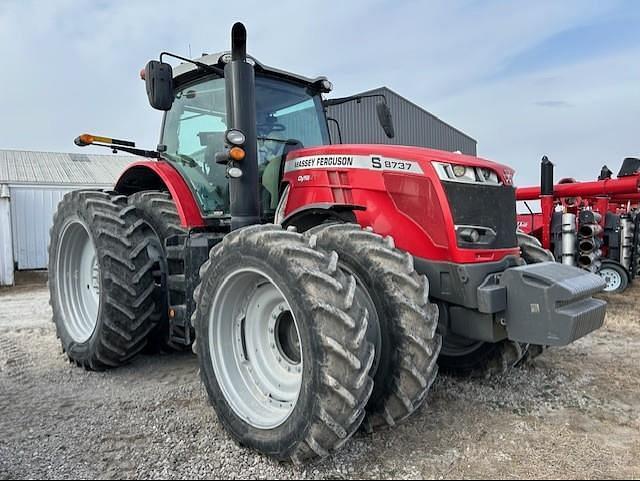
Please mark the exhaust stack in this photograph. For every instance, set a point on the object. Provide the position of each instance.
(241, 115)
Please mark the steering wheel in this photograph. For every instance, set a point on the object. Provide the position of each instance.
(267, 128)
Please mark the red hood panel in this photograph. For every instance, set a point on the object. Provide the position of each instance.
(420, 154)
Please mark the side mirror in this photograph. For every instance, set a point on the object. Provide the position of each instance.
(158, 77)
(384, 117)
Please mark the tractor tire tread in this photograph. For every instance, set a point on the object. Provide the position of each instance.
(127, 300)
(412, 320)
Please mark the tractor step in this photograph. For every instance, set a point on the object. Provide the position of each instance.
(177, 282)
(175, 252)
(186, 254)
(180, 326)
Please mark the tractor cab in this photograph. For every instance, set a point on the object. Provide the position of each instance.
(289, 115)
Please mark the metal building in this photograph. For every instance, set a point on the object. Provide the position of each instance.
(413, 125)
(31, 186)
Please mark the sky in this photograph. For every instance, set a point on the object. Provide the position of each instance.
(525, 79)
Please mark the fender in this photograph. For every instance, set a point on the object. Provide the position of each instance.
(147, 175)
(325, 210)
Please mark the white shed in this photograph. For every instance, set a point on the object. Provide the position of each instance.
(31, 186)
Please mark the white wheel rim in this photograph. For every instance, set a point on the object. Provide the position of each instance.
(78, 278)
(255, 348)
(613, 279)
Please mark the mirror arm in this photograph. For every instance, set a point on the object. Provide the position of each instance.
(337, 124)
(204, 66)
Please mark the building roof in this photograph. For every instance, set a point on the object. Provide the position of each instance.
(52, 168)
(357, 122)
(384, 89)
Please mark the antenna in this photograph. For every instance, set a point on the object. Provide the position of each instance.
(190, 56)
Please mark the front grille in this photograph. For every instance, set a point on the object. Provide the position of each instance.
(486, 206)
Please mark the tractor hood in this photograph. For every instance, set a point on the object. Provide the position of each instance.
(404, 159)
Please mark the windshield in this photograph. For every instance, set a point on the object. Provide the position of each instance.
(194, 131)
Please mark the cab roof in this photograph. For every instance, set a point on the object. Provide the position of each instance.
(221, 58)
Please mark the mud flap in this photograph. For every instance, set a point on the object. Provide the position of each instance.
(551, 304)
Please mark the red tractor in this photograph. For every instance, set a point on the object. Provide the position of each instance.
(317, 280)
(594, 225)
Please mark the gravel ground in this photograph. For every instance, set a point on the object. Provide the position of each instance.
(573, 414)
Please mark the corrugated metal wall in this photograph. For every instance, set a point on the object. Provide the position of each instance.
(6, 251)
(32, 209)
(413, 125)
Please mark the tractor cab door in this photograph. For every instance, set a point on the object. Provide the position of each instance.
(289, 116)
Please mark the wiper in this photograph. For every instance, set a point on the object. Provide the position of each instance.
(273, 139)
(203, 66)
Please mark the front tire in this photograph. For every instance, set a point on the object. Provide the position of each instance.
(409, 345)
(100, 279)
(291, 396)
(531, 249)
(477, 359)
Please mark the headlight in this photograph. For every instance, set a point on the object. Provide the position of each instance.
(462, 173)
(235, 137)
(474, 235)
(469, 234)
(490, 176)
(459, 170)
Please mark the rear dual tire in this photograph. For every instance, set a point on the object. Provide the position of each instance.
(159, 210)
(100, 279)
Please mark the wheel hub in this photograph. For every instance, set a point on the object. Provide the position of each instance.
(612, 278)
(286, 343)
